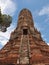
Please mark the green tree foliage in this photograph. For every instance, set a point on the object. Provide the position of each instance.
(5, 21)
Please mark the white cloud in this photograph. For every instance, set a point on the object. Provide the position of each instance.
(44, 11)
(8, 6)
(4, 37)
(3, 42)
(47, 43)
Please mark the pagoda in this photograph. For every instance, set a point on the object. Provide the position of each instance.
(25, 46)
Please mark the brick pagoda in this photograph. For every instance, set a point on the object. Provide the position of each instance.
(25, 46)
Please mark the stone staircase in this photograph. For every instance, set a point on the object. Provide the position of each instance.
(24, 50)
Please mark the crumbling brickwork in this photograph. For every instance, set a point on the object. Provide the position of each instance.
(25, 46)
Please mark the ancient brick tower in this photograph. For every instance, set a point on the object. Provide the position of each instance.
(25, 46)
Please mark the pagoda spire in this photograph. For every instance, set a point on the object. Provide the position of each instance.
(25, 46)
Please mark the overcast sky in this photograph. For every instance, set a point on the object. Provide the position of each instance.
(40, 13)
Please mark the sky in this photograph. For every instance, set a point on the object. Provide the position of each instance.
(40, 13)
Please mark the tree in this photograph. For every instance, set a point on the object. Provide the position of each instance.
(5, 21)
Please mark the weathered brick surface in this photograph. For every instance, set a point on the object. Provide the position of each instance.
(38, 49)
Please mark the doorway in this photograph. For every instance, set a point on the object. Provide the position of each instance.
(25, 31)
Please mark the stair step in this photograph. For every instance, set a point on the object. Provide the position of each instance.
(24, 50)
